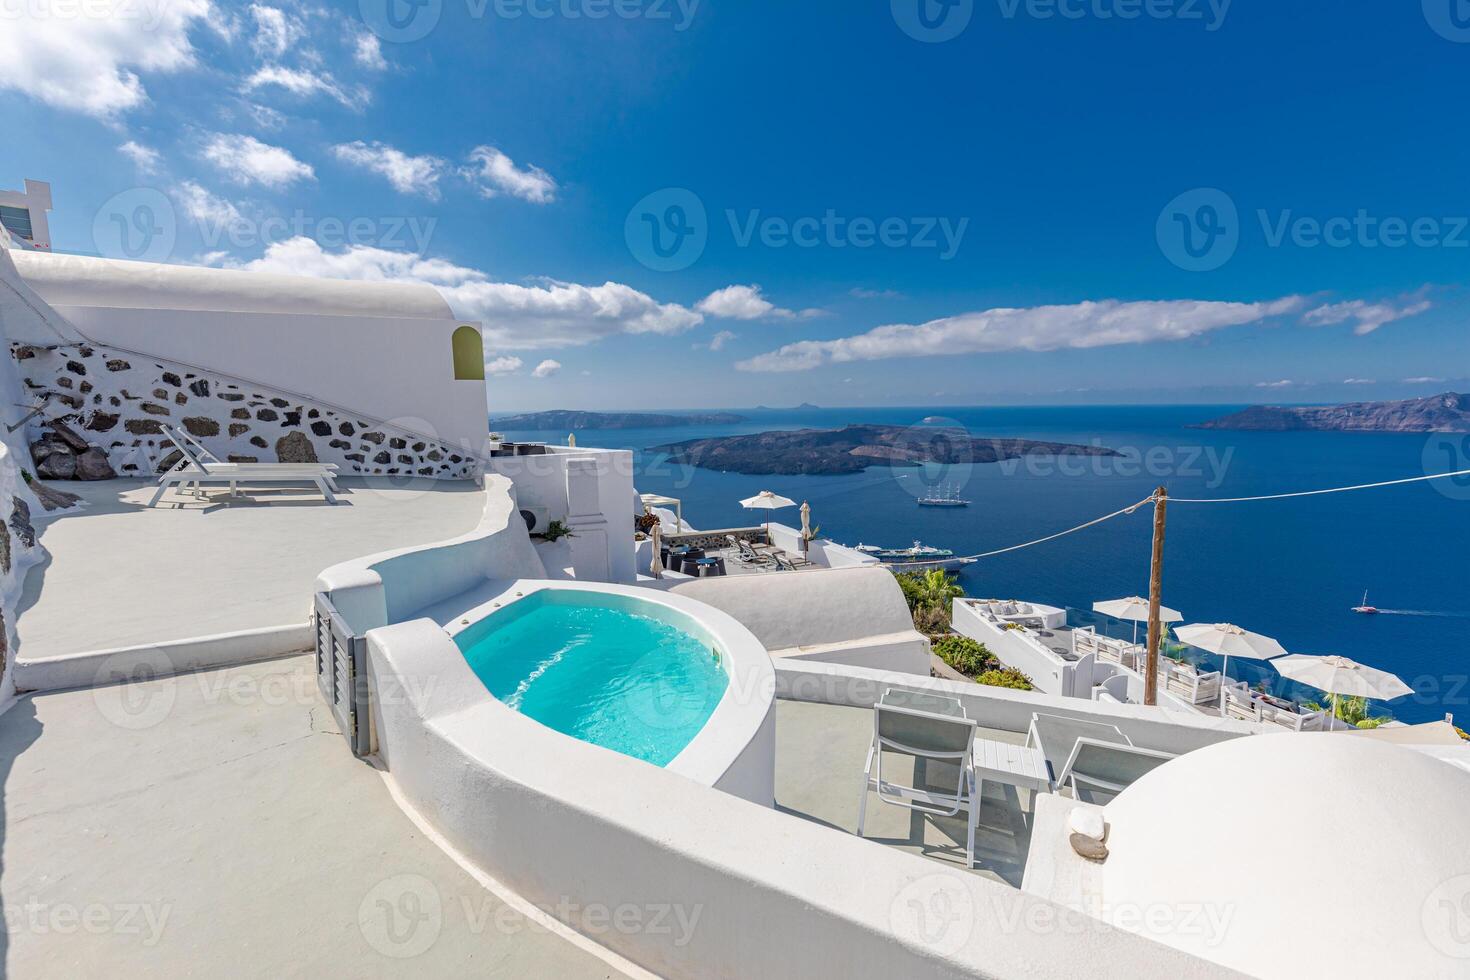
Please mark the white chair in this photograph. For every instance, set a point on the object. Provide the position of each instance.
(930, 737)
(1238, 702)
(1057, 735)
(193, 469)
(1096, 769)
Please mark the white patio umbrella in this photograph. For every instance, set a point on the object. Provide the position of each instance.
(766, 500)
(1339, 676)
(1229, 641)
(806, 525)
(1136, 609)
(656, 562)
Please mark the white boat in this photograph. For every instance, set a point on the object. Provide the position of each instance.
(943, 497)
(920, 557)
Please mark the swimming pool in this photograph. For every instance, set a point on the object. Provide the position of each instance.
(599, 668)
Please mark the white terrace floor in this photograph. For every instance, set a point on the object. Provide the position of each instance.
(121, 574)
(820, 750)
(215, 824)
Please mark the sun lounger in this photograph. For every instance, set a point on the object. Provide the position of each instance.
(932, 738)
(195, 470)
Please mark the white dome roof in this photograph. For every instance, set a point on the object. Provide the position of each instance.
(79, 280)
(1297, 855)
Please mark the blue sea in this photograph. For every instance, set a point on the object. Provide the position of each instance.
(1291, 568)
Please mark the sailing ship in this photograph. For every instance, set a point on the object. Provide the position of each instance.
(943, 497)
(1366, 609)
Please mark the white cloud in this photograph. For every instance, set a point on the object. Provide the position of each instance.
(516, 317)
(90, 62)
(1041, 328)
(1275, 384)
(503, 365)
(747, 303)
(1423, 381)
(1369, 316)
(305, 84)
(493, 173)
(719, 340)
(546, 369)
(275, 31)
(367, 51)
(145, 158)
(247, 160)
(1358, 381)
(408, 175)
(205, 208)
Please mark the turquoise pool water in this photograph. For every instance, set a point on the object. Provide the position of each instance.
(593, 667)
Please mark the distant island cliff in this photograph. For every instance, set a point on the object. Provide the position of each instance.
(561, 420)
(1448, 412)
(829, 452)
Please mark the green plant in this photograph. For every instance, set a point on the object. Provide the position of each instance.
(965, 655)
(1352, 710)
(931, 621)
(1462, 733)
(557, 530)
(928, 595)
(1005, 677)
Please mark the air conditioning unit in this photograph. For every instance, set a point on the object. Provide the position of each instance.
(536, 518)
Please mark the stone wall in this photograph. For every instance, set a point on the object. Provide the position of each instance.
(119, 401)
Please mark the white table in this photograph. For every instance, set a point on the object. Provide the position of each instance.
(1014, 765)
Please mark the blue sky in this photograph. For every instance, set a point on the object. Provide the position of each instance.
(1059, 203)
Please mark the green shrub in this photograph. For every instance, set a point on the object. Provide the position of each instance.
(931, 620)
(965, 655)
(1005, 677)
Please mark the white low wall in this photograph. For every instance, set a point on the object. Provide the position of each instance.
(853, 615)
(1009, 710)
(1049, 673)
(394, 586)
(819, 552)
(541, 484)
(577, 829)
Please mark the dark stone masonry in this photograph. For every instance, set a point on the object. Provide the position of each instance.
(233, 419)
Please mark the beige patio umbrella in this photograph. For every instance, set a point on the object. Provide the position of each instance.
(806, 526)
(766, 500)
(1339, 676)
(656, 562)
(1135, 609)
(572, 440)
(1228, 641)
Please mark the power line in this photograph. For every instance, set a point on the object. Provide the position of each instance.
(1184, 500)
(1314, 493)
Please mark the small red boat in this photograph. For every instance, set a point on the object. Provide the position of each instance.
(1366, 609)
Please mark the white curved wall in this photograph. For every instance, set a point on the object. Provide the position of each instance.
(571, 827)
(394, 586)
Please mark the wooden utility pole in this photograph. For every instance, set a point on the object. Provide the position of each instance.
(1155, 597)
